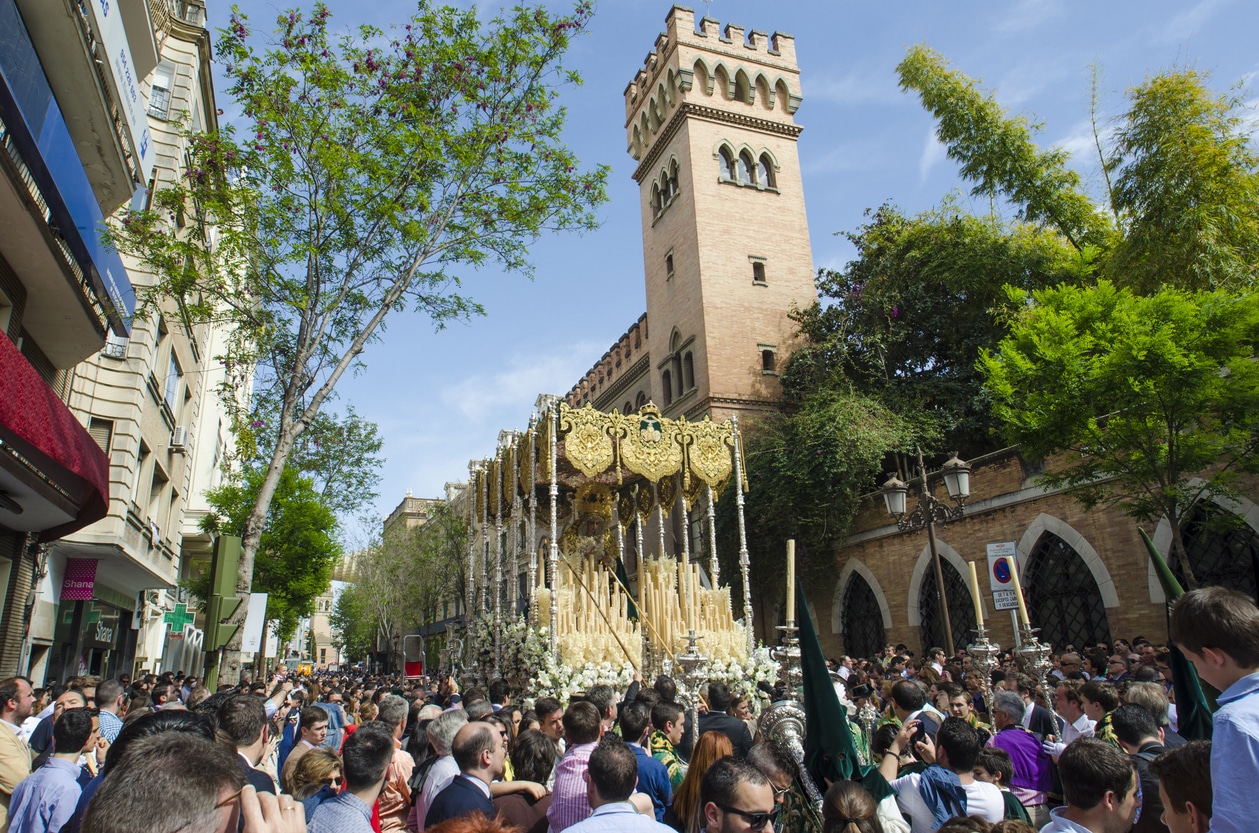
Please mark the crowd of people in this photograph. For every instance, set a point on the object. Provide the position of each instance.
(1095, 750)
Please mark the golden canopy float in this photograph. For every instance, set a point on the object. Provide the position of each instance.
(584, 495)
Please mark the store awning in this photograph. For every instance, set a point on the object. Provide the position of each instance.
(49, 465)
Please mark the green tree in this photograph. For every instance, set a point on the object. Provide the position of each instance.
(905, 320)
(807, 468)
(1182, 175)
(353, 627)
(371, 172)
(297, 550)
(997, 153)
(1186, 188)
(1150, 403)
(406, 576)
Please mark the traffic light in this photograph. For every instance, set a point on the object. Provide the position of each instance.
(223, 600)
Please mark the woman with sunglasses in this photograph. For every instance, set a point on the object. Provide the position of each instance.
(316, 778)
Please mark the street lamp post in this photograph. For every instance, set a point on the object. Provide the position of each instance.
(928, 513)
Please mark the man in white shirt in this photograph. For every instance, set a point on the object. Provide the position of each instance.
(937, 794)
(441, 734)
(1069, 707)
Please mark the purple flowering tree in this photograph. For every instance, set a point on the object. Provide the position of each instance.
(367, 173)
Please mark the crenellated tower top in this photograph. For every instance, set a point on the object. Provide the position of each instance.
(743, 74)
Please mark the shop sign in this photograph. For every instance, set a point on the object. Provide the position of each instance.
(79, 580)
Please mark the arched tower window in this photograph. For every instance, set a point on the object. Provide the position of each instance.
(1221, 550)
(673, 178)
(688, 371)
(666, 386)
(1062, 596)
(728, 169)
(747, 171)
(862, 618)
(657, 203)
(765, 172)
(640, 401)
(961, 608)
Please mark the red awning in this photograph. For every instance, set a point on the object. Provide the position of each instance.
(39, 426)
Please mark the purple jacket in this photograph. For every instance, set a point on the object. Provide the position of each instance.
(1032, 767)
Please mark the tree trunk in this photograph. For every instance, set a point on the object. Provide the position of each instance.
(1180, 554)
(229, 673)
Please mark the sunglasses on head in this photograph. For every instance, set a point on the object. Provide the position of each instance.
(756, 821)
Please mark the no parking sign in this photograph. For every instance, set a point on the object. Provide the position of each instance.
(1002, 558)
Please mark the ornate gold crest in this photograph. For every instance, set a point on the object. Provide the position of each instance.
(650, 444)
(709, 451)
(587, 444)
(668, 491)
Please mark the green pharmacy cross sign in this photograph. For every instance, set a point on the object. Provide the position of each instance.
(177, 618)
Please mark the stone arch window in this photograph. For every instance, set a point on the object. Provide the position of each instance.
(1222, 550)
(668, 264)
(729, 172)
(1063, 598)
(666, 386)
(863, 620)
(629, 409)
(747, 170)
(640, 400)
(765, 172)
(673, 178)
(961, 608)
(657, 201)
(688, 371)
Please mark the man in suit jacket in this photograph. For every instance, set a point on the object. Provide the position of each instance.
(716, 720)
(1036, 718)
(243, 719)
(16, 699)
(480, 752)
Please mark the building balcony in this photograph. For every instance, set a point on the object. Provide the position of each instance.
(95, 55)
(76, 288)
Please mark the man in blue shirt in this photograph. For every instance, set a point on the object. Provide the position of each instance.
(1218, 631)
(45, 801)
(653, 777)
(610, 780)
(364, 761)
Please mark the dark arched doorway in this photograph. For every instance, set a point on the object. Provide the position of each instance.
(961, 608)
(862, 618)
(1063, 599)
(1222, 548)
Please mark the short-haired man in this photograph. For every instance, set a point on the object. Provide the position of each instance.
(109, 699)
(933, 666)
(364, 761)
(1033, 769)
(243, 719)
(71, 698)
(1218, 631)
(16, 699)
(1152, 697)
(610, 779)
(569, 805)
(736, 796)
(947, 788)
(1184, 786)
(962, 706)
(1036, 718)
(653, 778)
(716, 720)
(312, 730)
(1100, 785)
(441, 735)
(1100, 699)
(480, 752)
(172, 781)
(395, 800)
(46, 800)
(668, 724)
(603, 698)
(1139, 738)
(1070, 707)
(909, 702)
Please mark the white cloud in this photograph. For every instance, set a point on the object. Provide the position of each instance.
(1081, 144)
(1027, 14)
(856, 86)
(933, 153)
(482, 396)
(846, 156)
(1186, 24)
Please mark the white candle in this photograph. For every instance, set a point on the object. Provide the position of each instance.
(974, 589)
(791, 580)
(1018, 592)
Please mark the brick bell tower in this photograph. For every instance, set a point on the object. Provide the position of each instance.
(710, 121)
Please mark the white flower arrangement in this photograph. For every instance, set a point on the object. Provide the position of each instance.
(563, 681)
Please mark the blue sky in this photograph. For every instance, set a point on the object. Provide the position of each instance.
(441, 398)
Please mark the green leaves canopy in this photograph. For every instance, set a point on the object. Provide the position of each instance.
(298, 549)
(1155, 399)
